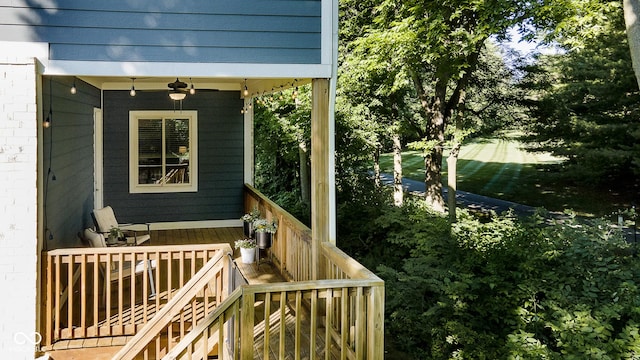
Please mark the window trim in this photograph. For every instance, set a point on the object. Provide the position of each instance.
(134, 117)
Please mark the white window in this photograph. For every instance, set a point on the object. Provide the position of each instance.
(163, 151)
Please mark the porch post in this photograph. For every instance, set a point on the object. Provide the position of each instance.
(18, 201)
(249, 167)
(320, 181)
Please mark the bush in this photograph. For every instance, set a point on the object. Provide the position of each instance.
(508, 288)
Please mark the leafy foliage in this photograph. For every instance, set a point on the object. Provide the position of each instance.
(586, 103)
(505, 288)
(282, 125)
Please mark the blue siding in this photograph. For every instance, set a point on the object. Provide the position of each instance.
(69, 189)
(252, 31)
(220, 158)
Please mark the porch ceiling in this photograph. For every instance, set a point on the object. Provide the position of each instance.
(255, 86)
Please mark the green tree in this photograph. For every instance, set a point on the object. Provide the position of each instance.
(587, 102)
(436, 46)
(282, 134)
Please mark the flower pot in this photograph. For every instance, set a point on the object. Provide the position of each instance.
(248, 255)
(248, 229)
(263, 239)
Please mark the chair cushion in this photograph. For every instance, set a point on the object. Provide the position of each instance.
(105, 219)
(93, 238)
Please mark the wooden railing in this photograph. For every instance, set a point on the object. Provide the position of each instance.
(291, 245)
(190, 305)
(96, 292)
(302, 320)
(348, 302)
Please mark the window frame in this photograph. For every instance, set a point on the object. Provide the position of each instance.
(134, 117)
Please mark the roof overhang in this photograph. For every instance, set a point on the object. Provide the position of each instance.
(261, 78)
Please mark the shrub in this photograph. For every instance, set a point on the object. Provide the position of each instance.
(509, 288)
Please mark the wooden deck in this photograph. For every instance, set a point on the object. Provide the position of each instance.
(256, 273)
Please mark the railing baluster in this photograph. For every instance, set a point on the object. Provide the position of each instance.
(360, 330)
(83, 295)
(70, 275)
(169, 273)
(145, 285)
(57, 296)
(107, 294)
(328, 323)
(314, 324)
(298, 329)
(344, 323)
(267, 324)
(96, 292)
(156, 279)
(132, 300)
(283, 315)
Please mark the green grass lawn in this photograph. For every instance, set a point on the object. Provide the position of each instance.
(501, 168)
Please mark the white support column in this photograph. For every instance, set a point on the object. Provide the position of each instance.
(249, 158)
(19, 248)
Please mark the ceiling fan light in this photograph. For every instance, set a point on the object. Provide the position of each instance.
(177, 96)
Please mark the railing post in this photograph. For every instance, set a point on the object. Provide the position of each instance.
(246, 324)
(375, 323)
(48, 338)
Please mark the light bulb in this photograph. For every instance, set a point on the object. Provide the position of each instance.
(132, 92)
(74, 89)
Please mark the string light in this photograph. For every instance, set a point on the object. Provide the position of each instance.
(192, 90)
(73, 88)
(132, 92)
(246, 89)
(47, 121)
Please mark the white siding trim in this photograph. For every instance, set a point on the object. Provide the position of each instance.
(248, 142)
(326, 32)
(212, 70)
(333, 225)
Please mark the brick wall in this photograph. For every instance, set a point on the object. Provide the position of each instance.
(18, 205)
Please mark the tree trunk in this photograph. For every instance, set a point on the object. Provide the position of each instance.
(452, 166)
(376, 167)
(631, 19)
(305, 173)
(433, 161)
(398, 192)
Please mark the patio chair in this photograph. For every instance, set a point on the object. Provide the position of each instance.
(105, 220)
(96, 239)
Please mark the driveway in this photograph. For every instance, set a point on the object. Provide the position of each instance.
(486, 204)
(465, 199)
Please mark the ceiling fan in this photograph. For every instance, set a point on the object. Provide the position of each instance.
(179, 91)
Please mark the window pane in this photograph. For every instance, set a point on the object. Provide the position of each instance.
(177, 151)
(149, 151)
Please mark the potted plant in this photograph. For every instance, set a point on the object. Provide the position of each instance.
(247, 250)
(264, 230)
(115, 234)
(248, 220)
